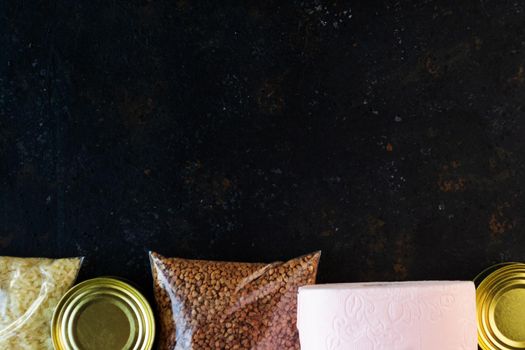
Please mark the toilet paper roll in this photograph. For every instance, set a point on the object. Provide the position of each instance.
(429, 315)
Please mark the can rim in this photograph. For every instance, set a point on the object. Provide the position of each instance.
(59, 332)
(488, 270)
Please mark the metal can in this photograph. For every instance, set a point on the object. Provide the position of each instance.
(103, 313)
(500, 302)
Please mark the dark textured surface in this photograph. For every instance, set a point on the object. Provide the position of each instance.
(388, 134)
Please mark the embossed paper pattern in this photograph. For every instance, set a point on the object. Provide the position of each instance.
(437, 315)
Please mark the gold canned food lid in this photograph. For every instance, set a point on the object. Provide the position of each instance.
(103, 313)
(501, 308)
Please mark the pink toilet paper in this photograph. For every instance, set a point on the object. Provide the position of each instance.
(428, 315)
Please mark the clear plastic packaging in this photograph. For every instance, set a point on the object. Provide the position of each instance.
(30, 288)
(229, 305)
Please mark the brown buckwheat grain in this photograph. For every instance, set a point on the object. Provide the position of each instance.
(229, 305)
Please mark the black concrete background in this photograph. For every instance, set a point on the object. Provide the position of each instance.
(388, 134)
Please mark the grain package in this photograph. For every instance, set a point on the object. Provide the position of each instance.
(229, 305)
(30, 288)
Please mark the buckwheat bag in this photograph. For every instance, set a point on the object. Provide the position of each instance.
(229, 305)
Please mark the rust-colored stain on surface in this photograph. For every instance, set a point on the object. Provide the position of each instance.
(454, 185)
(440, 63)
(226, 183)
(498, 222)
(400, 270)
(402, 253)
(449, 181)
(431, 66)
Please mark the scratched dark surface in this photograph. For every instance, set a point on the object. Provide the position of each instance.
(390, 135)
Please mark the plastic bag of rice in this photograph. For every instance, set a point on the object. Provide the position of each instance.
(30, 288)
(217, 305)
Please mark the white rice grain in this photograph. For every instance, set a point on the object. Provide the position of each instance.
(30, 288)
